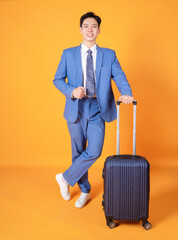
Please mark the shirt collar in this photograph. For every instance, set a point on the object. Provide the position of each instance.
(85, 48)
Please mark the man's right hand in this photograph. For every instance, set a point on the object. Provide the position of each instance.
(79, 92)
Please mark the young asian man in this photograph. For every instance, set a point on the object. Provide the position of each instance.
(89, 102)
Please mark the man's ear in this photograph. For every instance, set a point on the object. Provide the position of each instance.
(80, 30)
(99, 29)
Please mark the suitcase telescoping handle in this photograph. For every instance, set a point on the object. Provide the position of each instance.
(134, 127)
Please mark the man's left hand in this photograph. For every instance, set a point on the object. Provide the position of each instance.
(126, 99)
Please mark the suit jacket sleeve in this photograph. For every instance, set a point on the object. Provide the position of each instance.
(120, 78)
(60, 78)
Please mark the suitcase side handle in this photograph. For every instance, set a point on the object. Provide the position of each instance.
(118, 127)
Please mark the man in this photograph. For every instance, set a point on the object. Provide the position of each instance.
(89, 102)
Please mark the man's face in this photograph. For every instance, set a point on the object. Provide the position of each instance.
(90, 30)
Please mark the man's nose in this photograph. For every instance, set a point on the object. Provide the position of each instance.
(90, 29)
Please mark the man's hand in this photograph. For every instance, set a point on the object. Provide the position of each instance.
(79, 93)
(126, 99)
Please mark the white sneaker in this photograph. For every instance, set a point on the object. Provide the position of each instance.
(82, 200)
(64, 188)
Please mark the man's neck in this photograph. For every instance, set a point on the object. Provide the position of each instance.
(89, 44)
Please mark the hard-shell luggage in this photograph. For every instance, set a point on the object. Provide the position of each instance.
(126, 184)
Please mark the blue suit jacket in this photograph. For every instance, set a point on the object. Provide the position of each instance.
(107, 68)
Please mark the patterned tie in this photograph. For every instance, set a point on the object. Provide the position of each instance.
(90, 81)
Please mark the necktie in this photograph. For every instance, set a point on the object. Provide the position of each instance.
(90, 81)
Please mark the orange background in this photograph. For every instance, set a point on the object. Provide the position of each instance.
(34, 139)
(33, 35)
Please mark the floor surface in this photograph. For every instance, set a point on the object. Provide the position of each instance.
(31, 207)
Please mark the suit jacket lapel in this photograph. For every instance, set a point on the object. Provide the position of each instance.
(99, 60)
(78, 61)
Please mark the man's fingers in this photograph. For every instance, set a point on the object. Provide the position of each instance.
(79, 92)
(82, 91)
(81, 88)
(131, 100)
(126, 99)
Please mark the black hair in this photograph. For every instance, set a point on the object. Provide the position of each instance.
(90, 15)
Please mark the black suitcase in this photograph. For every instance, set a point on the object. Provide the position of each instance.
(126, 184)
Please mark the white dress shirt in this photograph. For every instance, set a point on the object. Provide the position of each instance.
(84, 54)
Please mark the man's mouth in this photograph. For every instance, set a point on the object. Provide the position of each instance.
(90, 35)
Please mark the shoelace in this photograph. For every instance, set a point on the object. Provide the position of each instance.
(82, 199)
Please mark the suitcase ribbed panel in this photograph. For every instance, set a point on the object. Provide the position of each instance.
(126, 188)
(125, 194)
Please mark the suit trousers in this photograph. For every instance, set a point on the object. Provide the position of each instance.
(87, 138)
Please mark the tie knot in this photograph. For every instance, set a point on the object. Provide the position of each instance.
(89, 51)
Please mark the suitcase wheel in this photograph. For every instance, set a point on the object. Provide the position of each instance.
(146, 225)
(112, 224)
